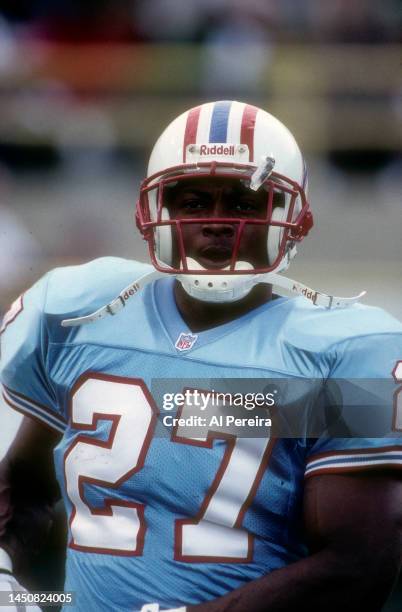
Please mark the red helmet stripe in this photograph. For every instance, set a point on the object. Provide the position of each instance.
(190, 133)
(247, 128)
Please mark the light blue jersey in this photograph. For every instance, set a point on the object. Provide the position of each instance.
(173, 518)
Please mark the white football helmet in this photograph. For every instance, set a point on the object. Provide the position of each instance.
(234, 140)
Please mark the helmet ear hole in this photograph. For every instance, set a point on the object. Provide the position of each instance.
(163, 240)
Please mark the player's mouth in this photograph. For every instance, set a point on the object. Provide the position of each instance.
(215, 256)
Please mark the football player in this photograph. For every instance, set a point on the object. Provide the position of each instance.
(163, 518)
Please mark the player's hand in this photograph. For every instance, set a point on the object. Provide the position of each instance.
(9, 587)
(154, 607)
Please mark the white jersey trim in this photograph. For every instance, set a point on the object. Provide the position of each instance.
(31, 408)
(359, 459)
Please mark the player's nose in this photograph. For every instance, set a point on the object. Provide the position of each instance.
(218, 211)
(218, 229)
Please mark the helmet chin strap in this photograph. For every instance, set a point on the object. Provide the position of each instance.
(118, 303)
(217, 287)
(230, 288)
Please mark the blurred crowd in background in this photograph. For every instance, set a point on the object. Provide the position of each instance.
(116, 21)
(87, 86)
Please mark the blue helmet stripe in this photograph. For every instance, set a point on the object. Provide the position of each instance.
(219, 121)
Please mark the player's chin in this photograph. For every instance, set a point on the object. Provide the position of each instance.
(210, 262)
(214, 258)
(214, 264)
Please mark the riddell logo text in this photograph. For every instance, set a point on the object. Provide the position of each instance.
(217, 150)
(310, 295)
(133, 289)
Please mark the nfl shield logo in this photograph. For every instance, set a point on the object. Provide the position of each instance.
(185, 341)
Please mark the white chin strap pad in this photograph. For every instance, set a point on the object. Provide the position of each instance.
(163, 240)
(217, 287)
(275, 234)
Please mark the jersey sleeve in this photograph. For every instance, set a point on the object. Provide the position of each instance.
(24, 342)
(371, 367)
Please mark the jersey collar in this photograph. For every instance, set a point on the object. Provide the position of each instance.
(182, 339)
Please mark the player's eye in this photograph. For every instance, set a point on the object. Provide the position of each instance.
(245, 206)
(193, 204)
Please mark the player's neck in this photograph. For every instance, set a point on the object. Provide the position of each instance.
(200, 316)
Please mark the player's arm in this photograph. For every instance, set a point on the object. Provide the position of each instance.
(354, 527)
(28, 491)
